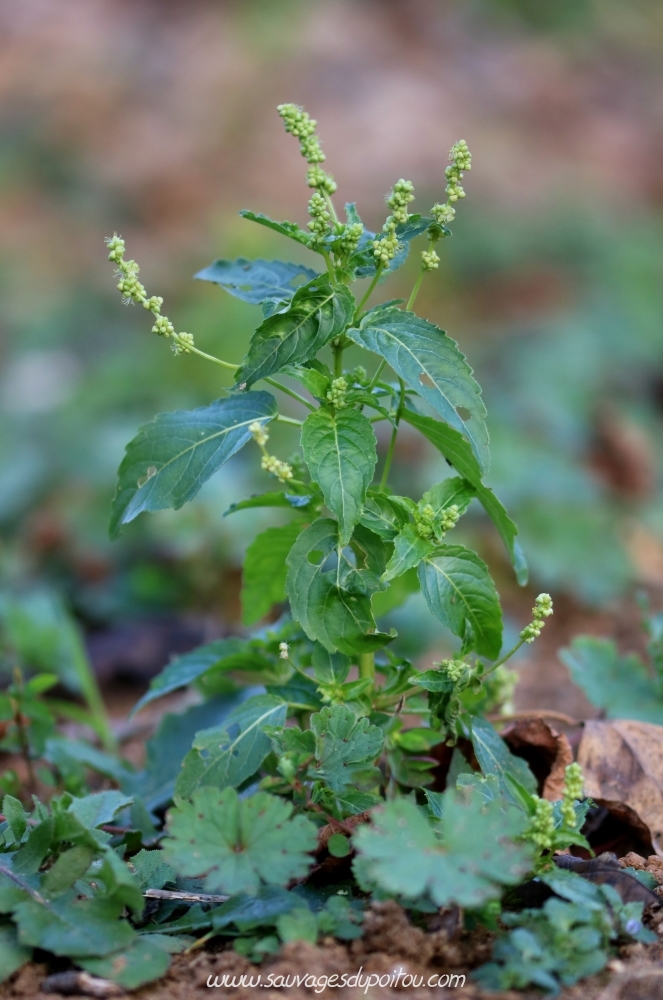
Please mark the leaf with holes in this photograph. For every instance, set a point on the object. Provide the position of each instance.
(256, 280)
(338, 619)
(318, 311)
(264, 570)
(460, 592)
(238, 844)
(173, 455)
(430, 363)
(229, 754)
(456, 450)
(340, 451)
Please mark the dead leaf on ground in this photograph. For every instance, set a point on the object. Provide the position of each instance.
(622, 762)
(547, 752)
(606, 869)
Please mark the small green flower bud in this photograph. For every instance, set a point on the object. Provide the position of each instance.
(259, 433)
(449, 517)
(542, 826)
(443, 214)
(183, 343)
(429, 260)
(336, 394)
(424, 520)
(284, 650)
(454, 669)
(154, 304)
(281, 470)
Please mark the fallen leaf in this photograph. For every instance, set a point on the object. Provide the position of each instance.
(547, 752)
(607, 870)
(622, 762)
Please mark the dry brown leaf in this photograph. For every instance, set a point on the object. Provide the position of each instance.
(622, 762)
(546, 751)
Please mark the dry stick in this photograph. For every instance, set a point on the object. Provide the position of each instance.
(541, 713)
(184, 897)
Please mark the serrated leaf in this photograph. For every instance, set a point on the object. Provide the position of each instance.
(466, 857)
(230, 754)
(256, 280)
(151, 870)
(344, 744)
(364, 260)
(329, 668)
(461, 594)
(317, 382)
(14, 813)
(289, 229)
(382, 516)
(409, 549)
(339, 620)
(495, 758)
(621, 685)
(259, 910)
(28, 859)
(455, 448)
(173, 455)
(340, 451)
(69, 867)
(454, 490)
(12, 954)
(264, 570)
(316, 313)
(99, 808)
(238, 844)
(144, 961)
(430, 363)
(272, 499)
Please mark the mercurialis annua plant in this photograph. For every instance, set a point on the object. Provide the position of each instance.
(342, 725)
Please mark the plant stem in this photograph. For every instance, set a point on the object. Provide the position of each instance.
(507, 656)
(374, 380)
(282, 419)
(394, 433)
(328, 262)
(210, 357)
(330, 205)
(368, 292)
(289, 392)
(338, 358)
(367, 665)
(22, 731)
(415, 290)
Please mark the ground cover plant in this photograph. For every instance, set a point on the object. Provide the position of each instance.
(311, 741)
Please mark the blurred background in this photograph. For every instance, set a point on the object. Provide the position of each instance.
(156, 118)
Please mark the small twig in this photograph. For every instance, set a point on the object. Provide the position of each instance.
(184, 897)
(540, 713)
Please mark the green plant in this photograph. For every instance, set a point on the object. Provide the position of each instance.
(320, 759)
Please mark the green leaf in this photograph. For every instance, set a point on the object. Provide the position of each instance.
(450, 491)
(237, 844)
(101, 807)
(618, 684)
(339, 846)
(264, 570)
(28, 859)
(289, 229)
(12, 954)
(173, 455)
(298, 925)
(316, 313)
(151, 870)
(495, 757)
(317, 382)
(71, 926)
(256, 280)
(68, 755)
(396, 593)
(383, 516)
(456, 450)
(69, 867)
(329, 668)
(229, 754)
(343, 745)
(364, 261)
(340, 451)
(460, 592)
(273, 499)
(409, 549)
(430, 363)
(144, 961)
(464, 858)
(15, 815)
(336, 618)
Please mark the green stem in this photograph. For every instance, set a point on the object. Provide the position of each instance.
(289, 392)
(394, 433)
(330, 206)
(328, 262)
(338, 358)
(415, 290)
(368, 292)
(507, 656)
(374, 380)
(367, 665)
(288, 420)
(209, 357)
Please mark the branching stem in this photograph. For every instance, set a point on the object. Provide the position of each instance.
(394, 434)
(370, 288)
(415, 290)
(289, 392)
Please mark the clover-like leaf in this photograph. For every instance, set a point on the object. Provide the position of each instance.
(264, 570)
(318, 311)
(340, 451)
(466, 857)
(173, 455)
(256, 280)
(431, 363)
(238, 844)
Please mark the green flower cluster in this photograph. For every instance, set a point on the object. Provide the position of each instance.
(298, 123)
(349, 240)
(543, 608)
(461, 160)
(320, 224)
(430, 523)
(133, 291)
(282, 470)
(454, 669)
(337, 393)
(573, 788)
(386, 247)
